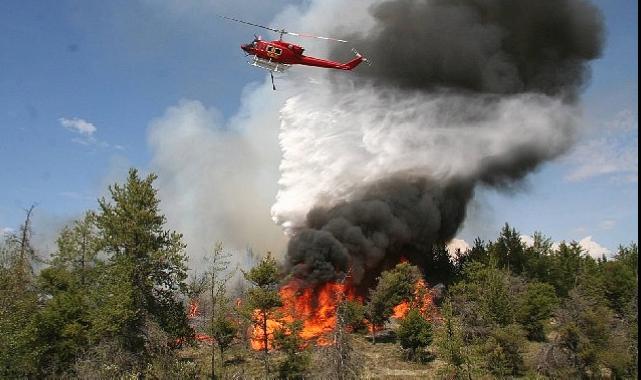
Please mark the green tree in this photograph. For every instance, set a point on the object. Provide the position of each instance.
(593, 337)
(394, 286)
(539, 258)
(477, 253)
(509, 250)
(19, 304)
(287, 339)
(483, 299)
(216, 278)
(224, 330)
(414, 332)
(62, 323)
(146, 264)
(440, 266)
(263, 299)
(566, 263)
(353, 315)
(534, 308)
(620, 284)
(504, 351)
(450, 344)
(78, 248)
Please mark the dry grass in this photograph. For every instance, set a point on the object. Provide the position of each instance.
(378, 361)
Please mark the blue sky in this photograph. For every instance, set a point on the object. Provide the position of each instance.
(119, 65)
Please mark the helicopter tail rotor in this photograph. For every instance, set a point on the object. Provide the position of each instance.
(364, 59)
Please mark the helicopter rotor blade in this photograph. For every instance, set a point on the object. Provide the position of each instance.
(249, 23)
(282, 31)
(313, 36)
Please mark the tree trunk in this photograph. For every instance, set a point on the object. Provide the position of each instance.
(265, 336)
(265, 342)
(222, 364)
(213, 361)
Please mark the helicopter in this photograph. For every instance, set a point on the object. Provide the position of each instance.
(277, 56)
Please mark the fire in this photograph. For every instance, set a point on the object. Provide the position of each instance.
(193, 314)
(316, 307)
(400, 311)
(193, 307)
(422, 300)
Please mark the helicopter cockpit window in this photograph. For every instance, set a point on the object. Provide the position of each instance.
(270, 49)
(278, 51)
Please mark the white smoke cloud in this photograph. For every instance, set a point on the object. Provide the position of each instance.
(336, 142)
(217, 178)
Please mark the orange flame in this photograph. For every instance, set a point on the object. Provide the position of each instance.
(316, 307)
(193, 312)
(422, 300)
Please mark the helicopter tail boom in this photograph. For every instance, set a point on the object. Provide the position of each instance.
(312, 61)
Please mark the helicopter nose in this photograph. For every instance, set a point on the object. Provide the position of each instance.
(245, 48)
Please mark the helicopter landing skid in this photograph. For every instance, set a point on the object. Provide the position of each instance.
(269, 65)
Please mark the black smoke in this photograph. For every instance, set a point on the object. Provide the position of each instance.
(481, 51)
(488, 46)
(393, 218)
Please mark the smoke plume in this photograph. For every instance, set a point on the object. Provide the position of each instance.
(486, 46)
(462, 93)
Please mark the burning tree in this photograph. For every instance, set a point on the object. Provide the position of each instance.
(263, 299)
(397, 291)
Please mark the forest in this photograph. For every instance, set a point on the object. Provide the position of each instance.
(117, 300)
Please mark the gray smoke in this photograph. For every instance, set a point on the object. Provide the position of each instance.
(462, 93)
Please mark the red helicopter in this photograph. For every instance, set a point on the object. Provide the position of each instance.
(278, 55)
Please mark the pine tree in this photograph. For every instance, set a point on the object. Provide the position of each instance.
(414, 332)
(78, 247)
(263, 299)
(220, 326)
(287, 339)
(19, 354)
(394, 286)
(146, 265)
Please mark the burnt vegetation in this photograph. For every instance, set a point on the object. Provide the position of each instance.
(114, 301)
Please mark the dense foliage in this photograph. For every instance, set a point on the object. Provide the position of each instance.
(111, 301)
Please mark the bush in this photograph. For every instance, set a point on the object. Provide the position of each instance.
(353, 314)
(296, 362)
(414, 333)
(535, 307)
(503, 351)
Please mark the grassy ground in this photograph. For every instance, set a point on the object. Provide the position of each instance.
(383, 360)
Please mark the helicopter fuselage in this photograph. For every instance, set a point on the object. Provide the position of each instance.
(286, 53)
